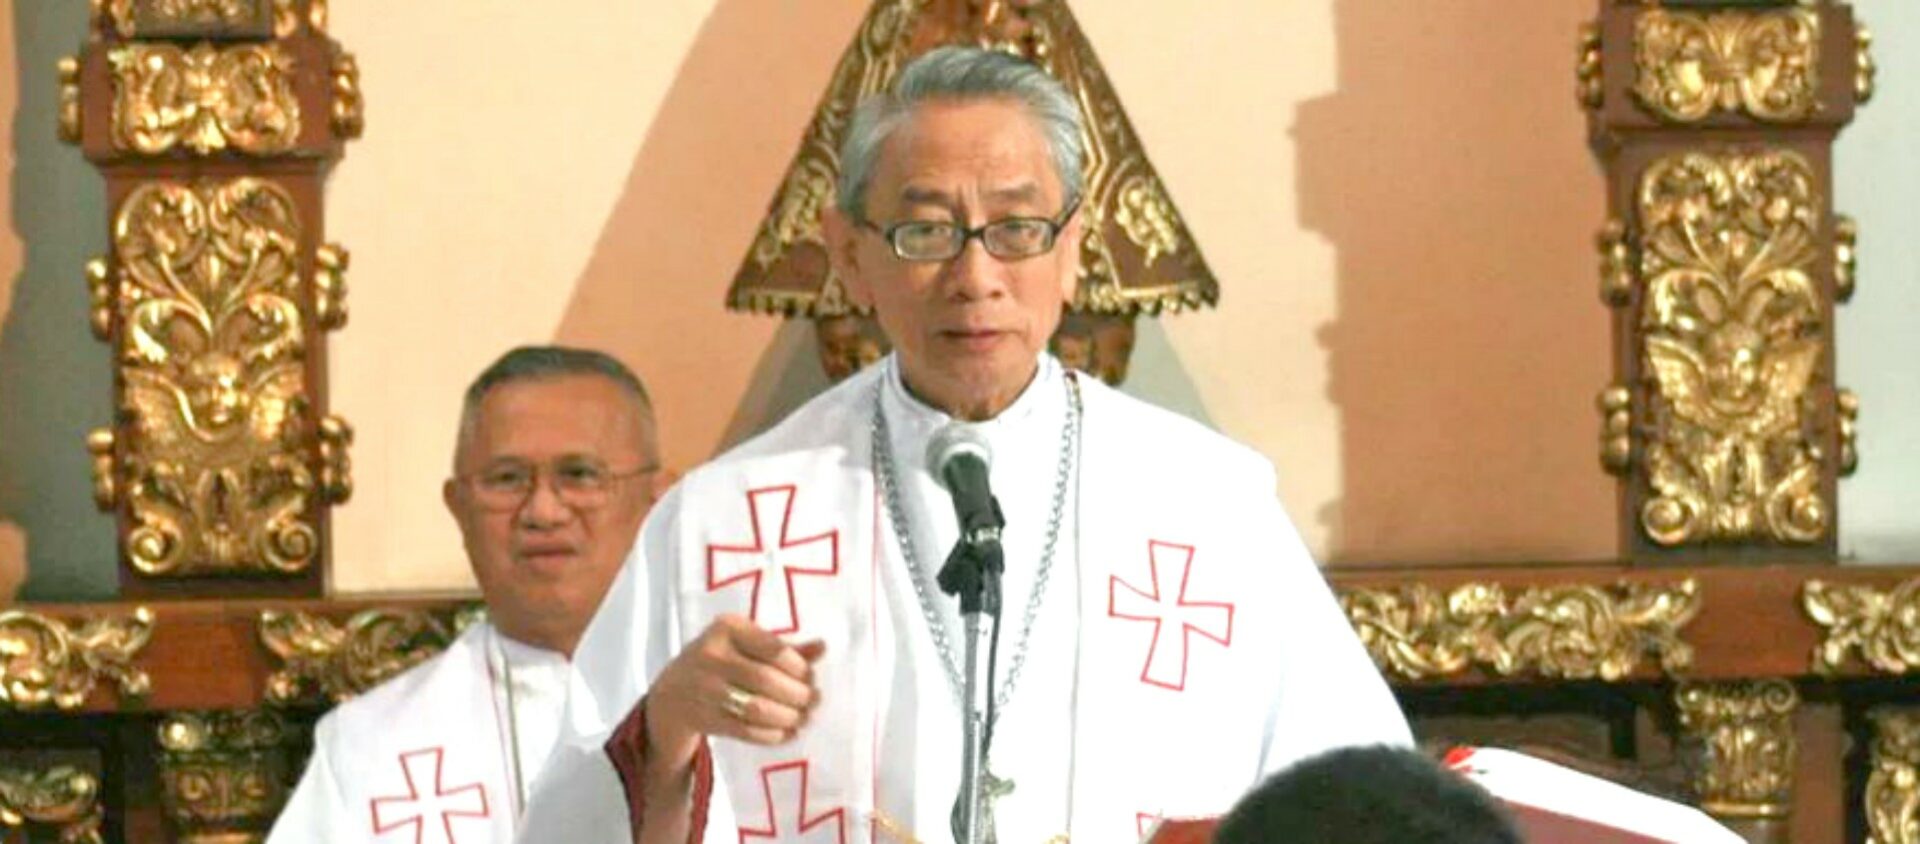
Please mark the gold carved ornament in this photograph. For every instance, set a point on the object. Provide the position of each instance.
(1689, 65)
(1747, 731)
(45, 662)
(1589, 81)
(205, 18)
(1136, 254)
(1863, 68)
(320, 657)
(215, 457)
(1880, 627)
(63, 798)
(1893, 785)
(348, 111)
(1846, 256)
(1732, 334)
(69, 124)
(1578, 632)
(204, 99)
(224, 775)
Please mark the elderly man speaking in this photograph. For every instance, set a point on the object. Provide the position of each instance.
(776, 661)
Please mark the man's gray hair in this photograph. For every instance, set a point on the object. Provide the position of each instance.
(959, 74)
(540, 363)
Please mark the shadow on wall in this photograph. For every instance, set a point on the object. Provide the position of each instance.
(55, 383)
(653, 292)
(1450, 170)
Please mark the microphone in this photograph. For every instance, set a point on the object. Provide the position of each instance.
(960, 458)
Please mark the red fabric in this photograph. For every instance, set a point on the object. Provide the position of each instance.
(628, 750)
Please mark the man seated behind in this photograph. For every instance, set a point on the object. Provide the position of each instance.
(556, 464)
(1165, 640)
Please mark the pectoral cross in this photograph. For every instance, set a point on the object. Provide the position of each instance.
(991, 788)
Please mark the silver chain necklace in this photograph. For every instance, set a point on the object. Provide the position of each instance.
(884, 468)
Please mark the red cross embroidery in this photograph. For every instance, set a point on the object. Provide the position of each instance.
(788, 809)
(413, 808)
(1213, 620)
(817, 555)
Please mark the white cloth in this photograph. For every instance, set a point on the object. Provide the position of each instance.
(427, 756)
(1117, 718)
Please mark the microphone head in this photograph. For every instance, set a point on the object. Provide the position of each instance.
(957, 440)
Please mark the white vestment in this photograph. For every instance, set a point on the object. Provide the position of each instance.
(1184, 645)
(429, 755)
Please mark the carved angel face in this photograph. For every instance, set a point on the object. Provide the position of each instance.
(1735, 364)
(215, 390)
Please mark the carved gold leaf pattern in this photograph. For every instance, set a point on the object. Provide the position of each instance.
(224, 774)
(99, 299)
(45, 662)
(218, 444)
(1731, 338)
(205, 99)
(338, 661)
(792, 224)
(62, 798)
(1893, 785)
(1747, 731)
(1765, 63)
(1880, 627)
(1416, 632)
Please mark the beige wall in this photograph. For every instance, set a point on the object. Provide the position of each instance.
(1399, 208)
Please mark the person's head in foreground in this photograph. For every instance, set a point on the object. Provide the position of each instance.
(556, 464)
(1367, 795)
(957, 220)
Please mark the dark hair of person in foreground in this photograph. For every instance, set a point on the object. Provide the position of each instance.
(1367, 795)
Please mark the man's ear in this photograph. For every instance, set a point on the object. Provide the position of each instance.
(1068, 245)
(843, 254)
(450, 496)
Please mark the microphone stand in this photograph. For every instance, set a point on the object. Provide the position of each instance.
(972, 574)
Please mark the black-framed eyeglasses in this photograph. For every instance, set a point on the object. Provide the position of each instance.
(1009, 239)
(580, 483)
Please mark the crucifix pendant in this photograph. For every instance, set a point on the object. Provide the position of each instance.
(991, 788)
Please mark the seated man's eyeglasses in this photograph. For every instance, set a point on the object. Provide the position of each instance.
(579, 483)
(1008, 239)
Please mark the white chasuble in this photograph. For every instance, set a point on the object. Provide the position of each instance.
(428, 757)
(1179, 644)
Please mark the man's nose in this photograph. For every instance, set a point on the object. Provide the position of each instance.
(543, 507)
(975, 273)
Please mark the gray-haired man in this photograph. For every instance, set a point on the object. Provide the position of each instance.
(775, 661)
(556, 464)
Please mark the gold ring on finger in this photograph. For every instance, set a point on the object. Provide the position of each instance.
(738, 699)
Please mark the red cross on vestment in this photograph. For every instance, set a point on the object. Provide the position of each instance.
(771, 511)
(788, 817)
(1167, 660)
(435, 810)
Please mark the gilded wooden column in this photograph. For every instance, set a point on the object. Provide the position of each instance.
(1722, 259)
(1746, 733)
(224, 775)
(62, 801)
(1136, 256)
(214, 125)
(1893, 785)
